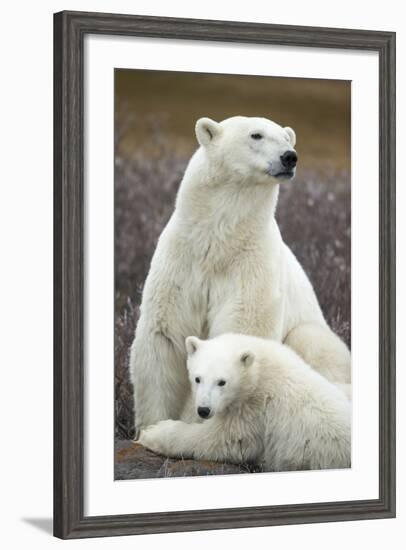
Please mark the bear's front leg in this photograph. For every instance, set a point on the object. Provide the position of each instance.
(159, 377)
(167, 438)
(210, 440)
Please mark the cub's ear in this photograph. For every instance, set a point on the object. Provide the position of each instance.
(291, 135)
(206, 130)
(247, 358)
(192, 344)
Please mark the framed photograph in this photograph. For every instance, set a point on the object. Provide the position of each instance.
(224, 274)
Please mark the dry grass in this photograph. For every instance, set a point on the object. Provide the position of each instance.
(313, 213)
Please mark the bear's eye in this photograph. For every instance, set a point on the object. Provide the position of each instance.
(197, 380)
(221, 383)
(257, 136)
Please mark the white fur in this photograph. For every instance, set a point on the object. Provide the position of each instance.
(271, 408)
(221, 266)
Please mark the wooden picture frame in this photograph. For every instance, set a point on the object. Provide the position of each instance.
(70, 29)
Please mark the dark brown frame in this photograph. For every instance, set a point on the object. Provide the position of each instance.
(69, 31)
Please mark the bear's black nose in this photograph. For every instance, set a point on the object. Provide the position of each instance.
(203, 412)
(289, 159)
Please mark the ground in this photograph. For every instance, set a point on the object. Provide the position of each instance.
(133, 461)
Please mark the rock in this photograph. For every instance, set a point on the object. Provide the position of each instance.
(133, 461)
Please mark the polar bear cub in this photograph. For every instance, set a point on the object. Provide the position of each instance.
(260, 403)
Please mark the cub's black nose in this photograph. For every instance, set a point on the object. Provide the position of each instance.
(203, 412)
(289, 159)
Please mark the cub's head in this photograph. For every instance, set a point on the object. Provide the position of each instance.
(219, 375)
(251, 148)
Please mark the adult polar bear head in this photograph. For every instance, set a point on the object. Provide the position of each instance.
(248, 149)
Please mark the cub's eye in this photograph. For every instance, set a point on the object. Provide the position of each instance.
(197, 380)
(257, 136)
(221, 383)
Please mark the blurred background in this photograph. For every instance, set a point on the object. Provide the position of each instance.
(318, 110)
(155, 115)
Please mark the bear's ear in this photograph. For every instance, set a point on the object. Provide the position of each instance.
(291, 135)
(206, 130)
(192, 343)
(247, 358)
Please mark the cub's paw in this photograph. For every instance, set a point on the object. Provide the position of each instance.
(159, 437)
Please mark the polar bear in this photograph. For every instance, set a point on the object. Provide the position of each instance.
(262, 403)
(221, 265)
